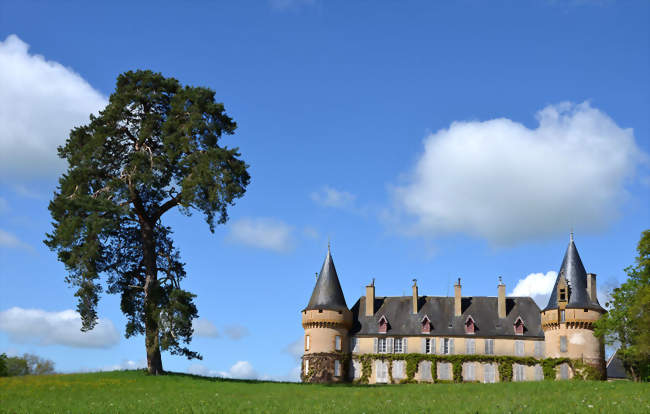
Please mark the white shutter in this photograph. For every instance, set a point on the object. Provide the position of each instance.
(375, 345)
(389, 345)
(405, 345)
(432, 348)
(451, 346)
(424, 345)
(473, 346)
(442, 345)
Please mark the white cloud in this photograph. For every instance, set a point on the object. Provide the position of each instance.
(240, 370)
(536, 285)
(263, 233)
(330, 197)
(55, 328)
(236, 332)
(205, 328)
(126, 364)
(295, 348)
(11, 241)
(40, 102)
(504, 182)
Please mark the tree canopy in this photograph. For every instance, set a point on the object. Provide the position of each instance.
(627, 323)
(153, 148)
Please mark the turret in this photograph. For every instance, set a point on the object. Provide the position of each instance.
(568, 318)
(326, 321)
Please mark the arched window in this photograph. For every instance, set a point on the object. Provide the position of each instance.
(470, 327)
(426, 324)
(519, 326)
(383, 324)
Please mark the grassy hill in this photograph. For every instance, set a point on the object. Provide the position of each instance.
(136, 392)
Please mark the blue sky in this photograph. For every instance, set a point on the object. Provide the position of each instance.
(425, 140)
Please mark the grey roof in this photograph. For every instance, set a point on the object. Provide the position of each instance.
(615, 369)
(576, 277)
(327, 292)
(440, 311)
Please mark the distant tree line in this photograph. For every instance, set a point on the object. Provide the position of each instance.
(28, 364)
(626, 325)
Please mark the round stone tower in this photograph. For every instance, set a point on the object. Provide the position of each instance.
(571, 312)
(326, 321)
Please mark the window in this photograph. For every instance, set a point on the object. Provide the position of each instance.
(429, 345)
(383, 325)
(426, 324)
(381, 345)
(489, 346)
(444, 370)
(399, 369)
(398, 348)
(306, 342)
(562, 316)
(381, 371)
(563, 295)
(354, 344)
(306, 366)
(539, 349)
(470, 346)
(337, 342)
(518, 372)
(447, 346)
(564, 371)
(469, 372)
(539, 373)
(519, 327)
(337, 368)
(356, 369)
(563, 344)
(489, 375)
(519, 348)
(469, 325)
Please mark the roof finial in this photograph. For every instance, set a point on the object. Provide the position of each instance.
(571, 237)
(328, 244)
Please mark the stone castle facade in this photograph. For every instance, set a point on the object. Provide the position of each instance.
(427, 338)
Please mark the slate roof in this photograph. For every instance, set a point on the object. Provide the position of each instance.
(327, 293)
(440, 311)
(615, 368)
(576, 277)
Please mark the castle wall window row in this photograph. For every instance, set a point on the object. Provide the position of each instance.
(490, 325)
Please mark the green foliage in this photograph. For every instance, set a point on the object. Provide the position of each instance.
(504, 365)
(153, 148)
(28, 364)
(136, 392)
(505, 371)
(628, 318)
(3, 365)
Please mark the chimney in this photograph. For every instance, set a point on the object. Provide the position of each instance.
(457, 308)
(415, 296)
(501, 301)
(591, 287)
(370, 298)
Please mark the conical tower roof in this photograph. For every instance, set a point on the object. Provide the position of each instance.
(576, 277)
(327, 292)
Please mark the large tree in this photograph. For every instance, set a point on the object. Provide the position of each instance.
(627, 323)
(153, 148)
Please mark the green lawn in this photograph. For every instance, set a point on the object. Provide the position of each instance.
(135, 392)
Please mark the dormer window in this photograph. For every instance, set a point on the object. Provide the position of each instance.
(383, 324)
(426, 325)
(519, 326)
(563, 295)
(469, 325)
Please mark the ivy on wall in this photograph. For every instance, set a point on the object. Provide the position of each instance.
(581, 370)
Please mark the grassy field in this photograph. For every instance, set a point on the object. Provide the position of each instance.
(135, 392)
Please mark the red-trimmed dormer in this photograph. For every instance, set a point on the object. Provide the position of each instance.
(470, 326)
(426, 325)
(519, 326)
(383, 324)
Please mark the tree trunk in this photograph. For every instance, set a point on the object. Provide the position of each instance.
(151, 301)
